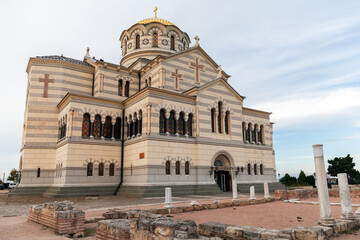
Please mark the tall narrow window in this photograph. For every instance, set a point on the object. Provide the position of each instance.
(227, 122)
(127, 88)
(107, 127)
(255, 169)
(260, 135)
(177, 168)
(89, 169)
(184, 45)
(172, 123)
(247, 132)
(86, 125)
(219, 117)
(131, 130)
(137, 42)
(117, 130)
(155, 39)
(181, 124)
(120, 87)
(38, 172)
(172, 43)
(149, 82)
(136, 125)
(189, 128)
(97, 126)
(112, 169)
(261, 170)
(162, 124)
(125, 46)
(213, 120)
(101, 169)
(249, 169)
(187, 168)
(167, 168)
(140, 122)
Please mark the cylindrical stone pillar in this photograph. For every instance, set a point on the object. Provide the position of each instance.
(168, 198)
(346, 208)
(252, 193)
(266, 190)
(234, 186)
(322, 188)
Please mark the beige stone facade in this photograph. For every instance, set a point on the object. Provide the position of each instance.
(165, 116)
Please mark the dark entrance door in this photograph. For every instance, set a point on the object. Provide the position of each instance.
(223, 180)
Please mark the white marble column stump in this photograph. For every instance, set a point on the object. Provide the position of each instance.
(234, 188)
(168, 198)
(252, 193)
(323, 193)
(266, 190)
(346, 208)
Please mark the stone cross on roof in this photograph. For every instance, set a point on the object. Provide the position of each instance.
(87, 52)
(155, 11)
(197, 40)
(219, 70)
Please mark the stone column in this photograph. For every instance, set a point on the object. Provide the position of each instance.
(346, 208)
(91, 128)
(266, 190)
(186, 118)
(102, 130)
(323, 193)
(112, 131)
(222, 119)
(139, 126)
(252, 193)
(168, 198)
(234, 186)
(216, 127)
(134, 128)
(177, 116)
(167, 115)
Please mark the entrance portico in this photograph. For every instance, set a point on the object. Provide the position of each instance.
(224, 174)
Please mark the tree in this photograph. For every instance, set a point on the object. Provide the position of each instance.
(13, 176)
(344, 165)
(288, 180)
(302, 178)
(310, 180)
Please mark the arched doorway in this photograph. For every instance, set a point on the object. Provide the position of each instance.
(222, 172)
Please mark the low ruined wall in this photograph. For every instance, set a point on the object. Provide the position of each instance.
(61, 216)
(142, 225)
(312, 192)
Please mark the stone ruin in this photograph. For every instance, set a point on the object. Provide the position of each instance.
(60, 216)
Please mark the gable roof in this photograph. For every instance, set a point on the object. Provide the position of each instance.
(195, 90)
(198, 48)
(66, 59)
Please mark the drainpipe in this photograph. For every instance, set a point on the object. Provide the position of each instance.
(122, 153)
(139, 74)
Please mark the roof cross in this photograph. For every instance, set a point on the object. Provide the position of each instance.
(197, 40)
(155, 11)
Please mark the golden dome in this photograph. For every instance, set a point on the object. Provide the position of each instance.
(159, 20)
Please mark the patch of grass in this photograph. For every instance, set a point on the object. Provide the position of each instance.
(352, 231)
(169, 216)
(89, 232)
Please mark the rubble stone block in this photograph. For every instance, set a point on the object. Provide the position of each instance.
(302, 233)
(212, 229)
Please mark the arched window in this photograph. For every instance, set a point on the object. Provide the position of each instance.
(125, 46)
(86, 125)
(112, 169)
(149, 82)
(137, 45)
(261, 170)
(101, 169)
(172, 123)
(172, 43)
(117, 130)
(255, 169)
(218, 163)
(213, 120)
(140, 122)
(260, 134)
(227, 122)
(253, 135)
(167, 168)
(120, 87)
(219, 117)
(38, 173)
(189, 128)
(177, 167)
(249, 169)
(247, 132)
(162, 122)
(89, 169)
(107, 127)
(181, 123)
(184, 45)
(155, 39)
(187, 168)
(97, 126)
(127, 88)
(131, 127)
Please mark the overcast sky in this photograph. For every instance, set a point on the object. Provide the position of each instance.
(299, 60)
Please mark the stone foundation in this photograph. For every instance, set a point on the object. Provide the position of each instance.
(60, 216)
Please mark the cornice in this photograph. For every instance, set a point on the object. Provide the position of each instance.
(57, 62)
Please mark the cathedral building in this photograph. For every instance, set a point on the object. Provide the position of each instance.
(166, 115)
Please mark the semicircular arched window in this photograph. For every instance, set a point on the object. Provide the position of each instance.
(172, 43)
(167, 168)
(187, 168)
(218, 163)
(137, 45)
(172, 123)
(86, 125)
(112, 169)
(181, 123)
(97, 126)
(155, 39)
(89, 171)
(107, 127)
(162, 125)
